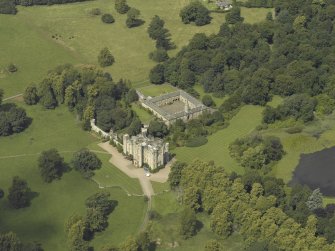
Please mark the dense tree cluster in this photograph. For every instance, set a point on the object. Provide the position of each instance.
(161, 35)
(259, 216)
(88, 91)
(256, 152)
(289, 54)
(298, 107)
(10, 242)
(194, 132)
(234, 16)
(80, 230)
(195, 12)
(13, 119)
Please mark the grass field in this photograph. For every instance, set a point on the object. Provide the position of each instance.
(44, 220)
(143, 114)
(29, 41)
(217, 147)
(156, 90)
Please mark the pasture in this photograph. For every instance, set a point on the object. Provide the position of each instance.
(40, 37)
(44, 220)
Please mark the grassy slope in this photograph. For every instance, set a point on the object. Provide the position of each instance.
(44, 219)
(31, 50)
(217, 147)
(30, 45)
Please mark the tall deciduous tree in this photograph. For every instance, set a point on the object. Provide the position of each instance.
(105, 57)
(30, 95)
(51, 165)
(315, 200)
(86, 162)
(121, 6)
(19, 194)
(133, 18)
(188, 223)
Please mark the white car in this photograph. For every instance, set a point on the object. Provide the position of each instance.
(147, 174)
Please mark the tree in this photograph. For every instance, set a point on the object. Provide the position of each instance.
(30, 95)
(155, 27)
(1, 95)
(234, 16)
(135, 127)
(157, 32)
(157, 129)
(213, 245)
(121, 6)
(85, 162)
(207, 100)
(105, 58)
(315, 200)
(19, 194)
(133, 18)
(8, 7)
(10, 242)
(175, 174)
(195, 12)
(51, 165)
(156, 75)
(12, 68)
(2, 193)
(107, 18)
(76, 232)
(188, 223)
(159, 55)
(130, 244)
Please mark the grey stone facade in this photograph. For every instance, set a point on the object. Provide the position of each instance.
(144, 150)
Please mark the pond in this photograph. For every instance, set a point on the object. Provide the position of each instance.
(317, 170)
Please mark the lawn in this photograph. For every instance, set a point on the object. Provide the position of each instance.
(156, 90)
(44, 220)
(143, 114)
(41, 37)
(217, 147)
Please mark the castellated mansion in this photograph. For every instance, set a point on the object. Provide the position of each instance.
(144, 150)
(173, 106)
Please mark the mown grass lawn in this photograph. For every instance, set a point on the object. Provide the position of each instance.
(246, 120)
(156, 90)
(44, 220)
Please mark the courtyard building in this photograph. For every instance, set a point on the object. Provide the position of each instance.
(173, 106)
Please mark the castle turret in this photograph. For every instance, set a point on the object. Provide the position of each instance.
(125, 143)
